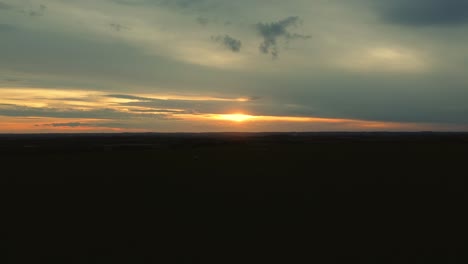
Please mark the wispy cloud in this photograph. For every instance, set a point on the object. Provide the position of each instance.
(228, 42)
(58, 125)
(94, 104)
(94, 124)
(175, 97)
(70, 124)
(118, 27)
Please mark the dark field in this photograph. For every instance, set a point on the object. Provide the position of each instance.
(235, 198)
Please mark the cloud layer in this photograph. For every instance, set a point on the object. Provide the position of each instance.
(172, 65)
(425, 12)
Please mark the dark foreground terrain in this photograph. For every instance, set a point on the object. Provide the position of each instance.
(234, 198)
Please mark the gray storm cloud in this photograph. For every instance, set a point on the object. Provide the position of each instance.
(228, 42)
(271, 32)
(425, 12)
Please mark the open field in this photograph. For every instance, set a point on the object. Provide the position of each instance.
(235, 198)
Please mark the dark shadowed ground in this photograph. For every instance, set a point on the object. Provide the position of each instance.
(234, 198)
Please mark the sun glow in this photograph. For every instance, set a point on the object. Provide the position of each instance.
(234, 117)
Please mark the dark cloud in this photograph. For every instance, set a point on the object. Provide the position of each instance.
(4, 6)
(71, 124)
(35, 13)
(229, 42)
(81, 124)
(38, 12)
(118, 27)
(271, 32)
(203, 21)
(105, 113)
(425, 12)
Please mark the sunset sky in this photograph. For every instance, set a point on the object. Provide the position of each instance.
(233, 65)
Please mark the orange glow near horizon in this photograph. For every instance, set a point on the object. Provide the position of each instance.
(46, 125)
(115, 114)
(253, 122)
(240, 117)
(234, 117)
(212, 122)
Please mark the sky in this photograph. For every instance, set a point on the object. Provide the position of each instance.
(225, 65)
